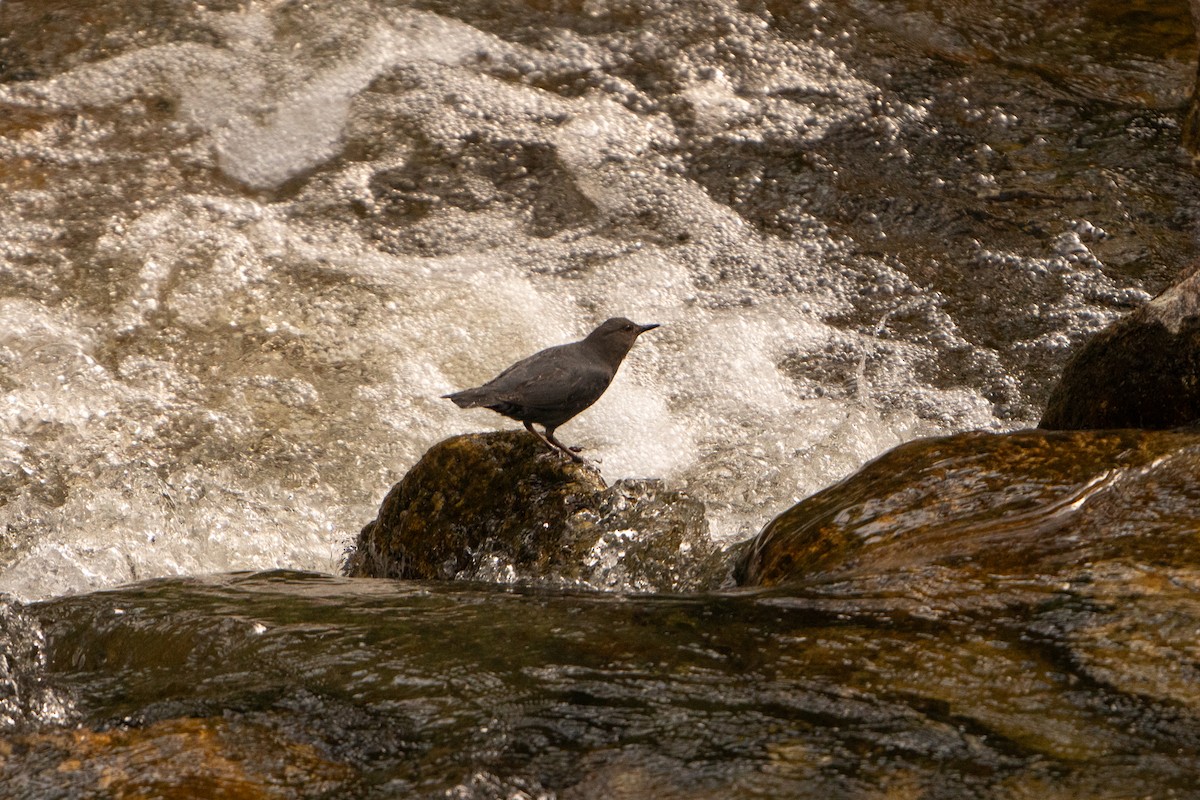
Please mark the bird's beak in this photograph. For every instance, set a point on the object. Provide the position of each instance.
(649, 327)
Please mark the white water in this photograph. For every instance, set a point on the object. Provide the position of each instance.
(228, 380)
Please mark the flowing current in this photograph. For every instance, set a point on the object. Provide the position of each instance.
(245, 247)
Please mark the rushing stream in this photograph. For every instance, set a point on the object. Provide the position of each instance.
(246, 245)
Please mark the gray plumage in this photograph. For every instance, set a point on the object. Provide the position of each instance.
(555, 384)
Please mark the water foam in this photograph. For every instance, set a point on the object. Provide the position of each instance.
(255, 373)
(269, 114)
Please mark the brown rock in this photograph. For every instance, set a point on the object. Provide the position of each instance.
(185, 757)
(478, 505)
(1143, 371)
(1191, 123)
(1022, 503)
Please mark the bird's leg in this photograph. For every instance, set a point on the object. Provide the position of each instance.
(529, 427)
(570, 451)
(551, 442)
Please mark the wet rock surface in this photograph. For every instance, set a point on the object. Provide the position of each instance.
(24, 694)
(184, 757)
(1033, 587)
(1142, 371)
(1030, 502)
(502, 506)
(933, 681)
(1191, 123)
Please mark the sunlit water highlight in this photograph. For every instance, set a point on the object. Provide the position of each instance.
(243, 253)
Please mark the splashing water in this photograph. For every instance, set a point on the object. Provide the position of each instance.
(244, 253)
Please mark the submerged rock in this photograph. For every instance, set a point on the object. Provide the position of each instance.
(1030, 502)
(499, 506)
(1143, 371)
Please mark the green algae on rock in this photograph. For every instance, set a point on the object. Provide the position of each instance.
(498, 505)
(1027, 502)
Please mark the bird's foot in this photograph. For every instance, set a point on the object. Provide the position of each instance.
(559, 455)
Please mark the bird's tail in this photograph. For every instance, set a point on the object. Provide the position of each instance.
(467, 398)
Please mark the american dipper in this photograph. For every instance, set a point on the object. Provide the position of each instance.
(555, 384)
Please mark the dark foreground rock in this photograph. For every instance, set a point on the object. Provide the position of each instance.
(1030, 502)
(500, 506)
(938, 683)
(1191, 123)
(1143, 371)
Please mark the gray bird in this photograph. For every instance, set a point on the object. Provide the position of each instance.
(555, 384)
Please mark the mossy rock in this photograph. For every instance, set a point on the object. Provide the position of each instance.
(1028, 502)
(501, 505)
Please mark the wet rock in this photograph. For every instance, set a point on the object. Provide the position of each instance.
(25, 695)
(1131, 627)
(1143, 371)
(954, 681)
(1025, 503)
(1015, 569)
(1191, 123)
(499, 506)
(184, 757)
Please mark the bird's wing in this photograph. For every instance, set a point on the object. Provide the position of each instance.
(550, 378)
